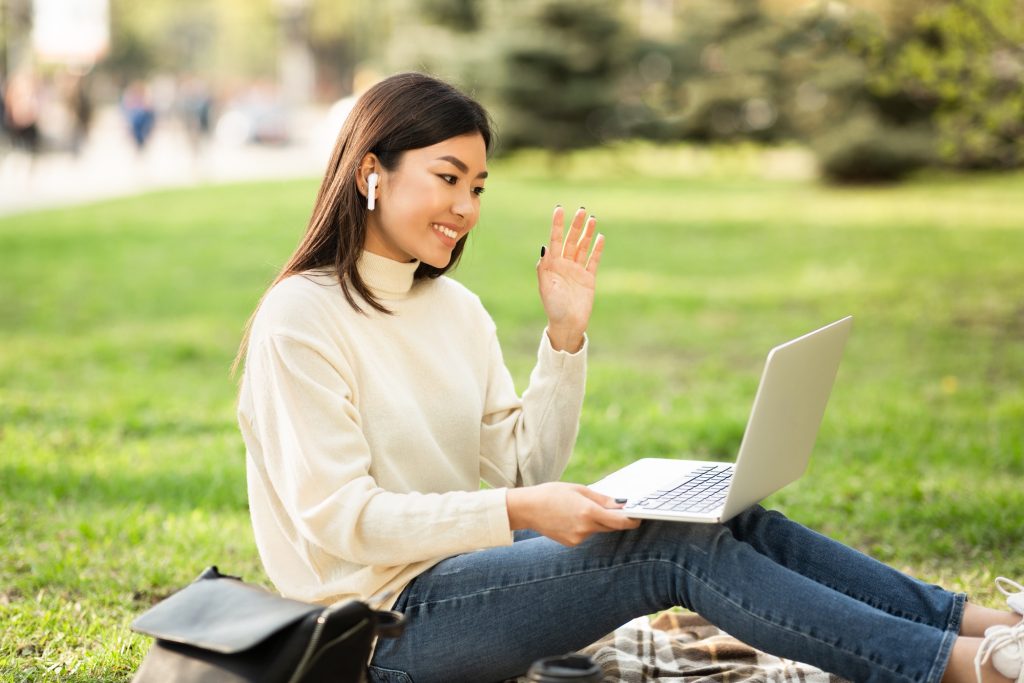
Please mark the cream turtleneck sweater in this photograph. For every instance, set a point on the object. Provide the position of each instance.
(367, 434)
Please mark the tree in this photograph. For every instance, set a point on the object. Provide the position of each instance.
(557, 67)
(737, 71)
(965, 60)
(726, 77)
(858, 133)
(236, 37)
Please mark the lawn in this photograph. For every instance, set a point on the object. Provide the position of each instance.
(122, 471)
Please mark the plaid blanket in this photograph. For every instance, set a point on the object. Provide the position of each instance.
(683, 647)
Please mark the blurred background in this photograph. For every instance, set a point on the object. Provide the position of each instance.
(105, 97)
(759, 168)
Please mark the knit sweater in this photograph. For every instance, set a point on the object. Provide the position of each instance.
(367, 434)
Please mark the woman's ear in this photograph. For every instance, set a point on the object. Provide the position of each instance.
(369, 164)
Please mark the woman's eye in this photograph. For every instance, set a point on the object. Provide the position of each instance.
(450, 179)
(478, 190)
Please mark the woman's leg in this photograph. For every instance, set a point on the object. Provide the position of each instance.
(859, 576)
(846, 570)
(487, 615)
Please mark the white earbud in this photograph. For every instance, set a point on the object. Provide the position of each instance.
(371, 190)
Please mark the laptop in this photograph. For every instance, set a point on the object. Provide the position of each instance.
(776, 446)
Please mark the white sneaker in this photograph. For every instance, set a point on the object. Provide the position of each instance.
(1014, 593)
(1004, 645)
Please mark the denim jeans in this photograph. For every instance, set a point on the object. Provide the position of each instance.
(768, 581)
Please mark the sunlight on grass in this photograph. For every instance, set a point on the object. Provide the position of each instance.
(122, 473)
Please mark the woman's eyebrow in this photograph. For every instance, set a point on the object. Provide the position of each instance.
(457, 163)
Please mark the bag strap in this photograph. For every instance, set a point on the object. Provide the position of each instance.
(387, 623)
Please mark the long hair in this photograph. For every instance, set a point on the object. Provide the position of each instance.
(405, 111)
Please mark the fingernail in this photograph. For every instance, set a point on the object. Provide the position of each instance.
(543, 250)
(621, 501)
(558, 206)
(582, 208)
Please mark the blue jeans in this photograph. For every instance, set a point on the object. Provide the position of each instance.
(768, 581)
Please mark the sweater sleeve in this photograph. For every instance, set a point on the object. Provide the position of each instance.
(306, 443)
(529, 440)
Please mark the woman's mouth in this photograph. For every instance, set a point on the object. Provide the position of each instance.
(447, 232)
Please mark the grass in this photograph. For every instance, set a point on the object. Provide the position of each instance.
(122, 472)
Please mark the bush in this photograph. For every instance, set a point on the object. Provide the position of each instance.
(965, 60)
(864, 149)
(557, 66)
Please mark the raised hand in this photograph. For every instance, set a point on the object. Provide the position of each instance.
(566, 275)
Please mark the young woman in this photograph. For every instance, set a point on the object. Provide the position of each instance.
(375, 399)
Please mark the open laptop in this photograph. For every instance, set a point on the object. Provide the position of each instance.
(776, 447)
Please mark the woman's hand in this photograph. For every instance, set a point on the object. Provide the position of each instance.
(565, 274)
(567, 513)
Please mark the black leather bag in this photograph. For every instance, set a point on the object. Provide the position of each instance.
(219, 629)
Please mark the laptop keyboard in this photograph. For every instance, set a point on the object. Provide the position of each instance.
(703, 491)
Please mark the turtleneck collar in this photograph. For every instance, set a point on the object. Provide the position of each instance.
(384, 276)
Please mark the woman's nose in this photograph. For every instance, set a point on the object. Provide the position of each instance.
(464, 205)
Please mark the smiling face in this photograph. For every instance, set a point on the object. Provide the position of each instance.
(428, 202)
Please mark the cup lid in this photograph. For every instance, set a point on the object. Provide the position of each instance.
(574, 667)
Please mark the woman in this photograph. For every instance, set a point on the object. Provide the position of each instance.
(375, 398)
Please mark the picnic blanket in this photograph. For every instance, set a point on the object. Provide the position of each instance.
(682, 647)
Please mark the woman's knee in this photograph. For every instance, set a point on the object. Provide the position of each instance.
(677, 541)
(753, 520)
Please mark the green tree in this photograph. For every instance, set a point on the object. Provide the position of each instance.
(549, 71)
(737, 71)
(227, 39)
(557, 65)
(857, 132)
(726, 74)
(965, 60)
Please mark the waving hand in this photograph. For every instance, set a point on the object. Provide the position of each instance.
(566, 275)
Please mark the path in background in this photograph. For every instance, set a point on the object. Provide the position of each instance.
(109, 165)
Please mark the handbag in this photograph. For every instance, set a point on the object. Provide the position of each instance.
(219, 629)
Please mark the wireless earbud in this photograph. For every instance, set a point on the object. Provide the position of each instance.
(371, 190)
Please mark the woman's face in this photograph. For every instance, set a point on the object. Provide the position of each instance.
(429, 201)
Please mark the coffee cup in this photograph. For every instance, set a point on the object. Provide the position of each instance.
(574, 668)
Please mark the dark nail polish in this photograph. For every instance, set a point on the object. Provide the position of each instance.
(543, 250)
(621, 501)
(583, 208)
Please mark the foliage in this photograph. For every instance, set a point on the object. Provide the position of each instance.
(123, 471)
(861, 148)
(230, 39)
(857, 133)
(548, 70)
(460, 15)
(942, 82)
(965, 59)
(934, 82)
(557, 66)
(875, 94)
(721, 78)
(740, 72)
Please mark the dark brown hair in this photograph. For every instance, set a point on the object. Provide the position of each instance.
(405, 111)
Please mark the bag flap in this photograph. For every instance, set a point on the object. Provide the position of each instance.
(221, 615)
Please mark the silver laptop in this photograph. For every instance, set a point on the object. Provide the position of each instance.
(776, 446)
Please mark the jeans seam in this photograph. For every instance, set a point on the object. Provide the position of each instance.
(527, 583)
(871, 603)
(949, 636)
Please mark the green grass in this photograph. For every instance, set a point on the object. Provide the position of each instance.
(121, 468)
